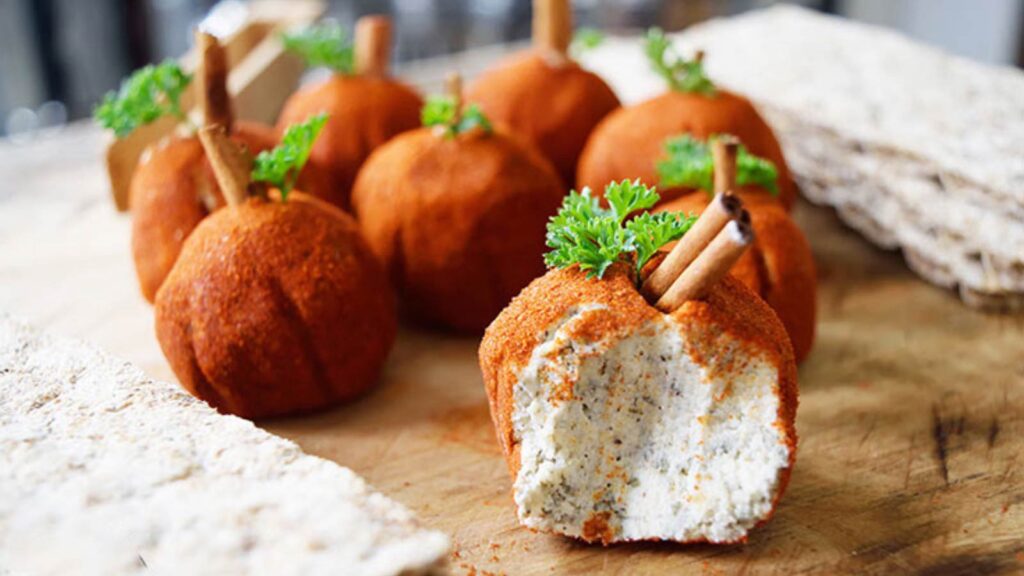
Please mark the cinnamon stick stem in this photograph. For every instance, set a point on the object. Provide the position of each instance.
(212, 77)
(723, 153)
(721, 210)
(711, 266)
(231, 163)
(373, 45)
(552, 26)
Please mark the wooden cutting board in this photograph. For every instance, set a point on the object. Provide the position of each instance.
(911, 416)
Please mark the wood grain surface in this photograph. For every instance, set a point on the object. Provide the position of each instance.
(911, 416)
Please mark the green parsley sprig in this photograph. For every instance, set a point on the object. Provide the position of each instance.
(584, 40)
(586, 234)
(689, 163)
(681, 74)
(322, 45)
(280, 167)
(441, 111)
(147, 95)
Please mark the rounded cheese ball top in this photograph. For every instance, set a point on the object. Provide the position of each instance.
(174, 188)
(363, 113)
(276, 308)
(629, 142)
(620, 423)
(555, 107)
(457, 222)
(779, 266)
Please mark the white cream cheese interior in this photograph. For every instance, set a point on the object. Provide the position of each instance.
(669, 433)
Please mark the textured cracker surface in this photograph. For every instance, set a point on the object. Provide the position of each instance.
(108, 472)
(916, 149)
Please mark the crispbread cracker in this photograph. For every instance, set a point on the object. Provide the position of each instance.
(105, 471)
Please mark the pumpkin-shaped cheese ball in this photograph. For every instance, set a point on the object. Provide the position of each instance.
(173, 188)
(457, 214)
(779, 266)
(621, 421)
(365, 106)
(628, 142)
(274, 306)
(543, 95)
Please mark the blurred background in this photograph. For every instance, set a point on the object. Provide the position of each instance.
(58, 57)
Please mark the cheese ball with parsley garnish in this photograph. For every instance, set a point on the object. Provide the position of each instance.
(543, 95)
(173, 188)
(276, 305)
(456, 212)
(365, 105)
(779, 266)
(621, 421)
(627, 143)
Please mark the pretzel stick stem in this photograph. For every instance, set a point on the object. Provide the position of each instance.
(552, 26)
(212, 79)
(231, 163)
(453, 87)
(723, 153)
(373, 45)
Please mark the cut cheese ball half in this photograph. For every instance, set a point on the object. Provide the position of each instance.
(621, 423)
